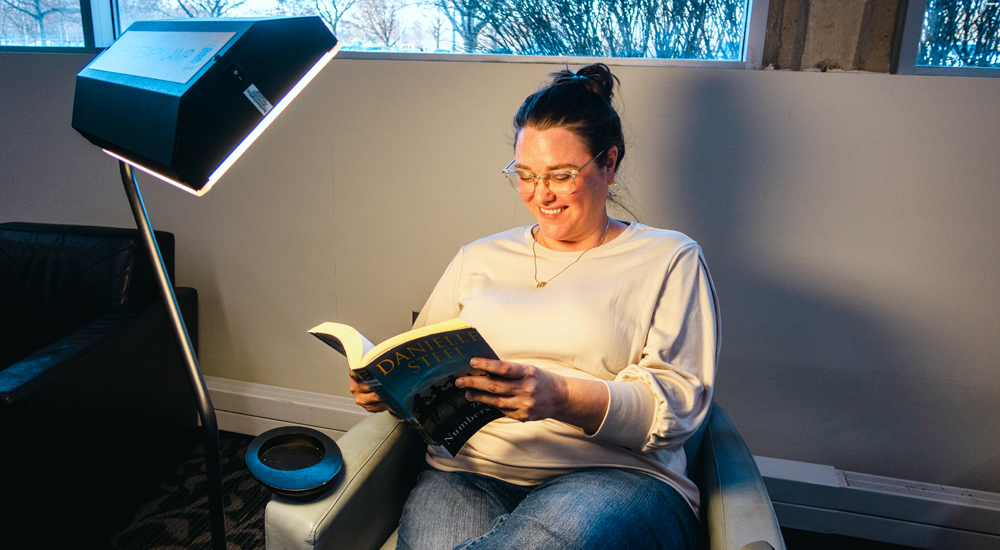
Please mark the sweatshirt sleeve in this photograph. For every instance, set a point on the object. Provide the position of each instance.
(442, 304)
(661, 400)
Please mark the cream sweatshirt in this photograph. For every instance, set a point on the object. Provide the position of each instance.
(638, 313)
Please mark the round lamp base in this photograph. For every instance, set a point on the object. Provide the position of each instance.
(294, 461)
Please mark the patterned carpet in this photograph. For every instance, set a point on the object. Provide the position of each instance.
(177, 517)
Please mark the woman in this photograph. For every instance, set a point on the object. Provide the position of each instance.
(608, 335)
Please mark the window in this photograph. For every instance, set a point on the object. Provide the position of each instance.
(702, 30)
(43, 23)
(951, 37)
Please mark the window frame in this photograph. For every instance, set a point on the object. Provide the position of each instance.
(101, 21)
(909, 46)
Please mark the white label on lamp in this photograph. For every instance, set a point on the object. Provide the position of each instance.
(163, 55)
(258, 99)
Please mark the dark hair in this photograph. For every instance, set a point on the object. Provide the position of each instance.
(579, 102)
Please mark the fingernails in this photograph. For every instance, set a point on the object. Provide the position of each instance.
(474, 361)
(460, 382)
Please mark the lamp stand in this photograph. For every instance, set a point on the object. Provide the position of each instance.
(213, 462)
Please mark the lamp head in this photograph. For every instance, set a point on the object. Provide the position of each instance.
(182, 99)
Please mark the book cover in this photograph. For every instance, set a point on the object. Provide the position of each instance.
(414, 374)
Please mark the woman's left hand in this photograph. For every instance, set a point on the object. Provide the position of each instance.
(526, 393)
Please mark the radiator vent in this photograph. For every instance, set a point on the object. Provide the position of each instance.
(930, 491)
(818, 497)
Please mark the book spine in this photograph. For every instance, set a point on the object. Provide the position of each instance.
(427, 436)
(385, 396)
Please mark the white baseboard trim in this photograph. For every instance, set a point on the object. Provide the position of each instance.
(252, 409)
(820, 498)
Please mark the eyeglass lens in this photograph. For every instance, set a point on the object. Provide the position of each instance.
(559, 182)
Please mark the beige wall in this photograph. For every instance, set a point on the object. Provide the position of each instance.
(849, 220)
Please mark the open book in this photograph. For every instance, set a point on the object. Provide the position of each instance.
(414, 374)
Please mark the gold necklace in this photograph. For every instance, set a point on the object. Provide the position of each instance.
(534, 256)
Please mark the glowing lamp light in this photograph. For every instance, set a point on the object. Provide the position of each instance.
(245, 144)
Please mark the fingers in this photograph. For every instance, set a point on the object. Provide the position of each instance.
(522, 392)
(500, 368)
(364, 396)
(370, 402)
(504, 378)
(523, 408)
(497, 384)
(358, 386)
(518, 407)
(376, 407)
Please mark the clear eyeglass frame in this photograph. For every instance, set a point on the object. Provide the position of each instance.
(559, 182)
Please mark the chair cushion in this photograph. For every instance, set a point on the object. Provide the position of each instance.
(55, 279)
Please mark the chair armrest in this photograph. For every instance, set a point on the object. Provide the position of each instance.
(735, 505)
(124, 356)
(381, 460)
(125, 327)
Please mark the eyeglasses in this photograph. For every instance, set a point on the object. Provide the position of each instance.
(559, 182)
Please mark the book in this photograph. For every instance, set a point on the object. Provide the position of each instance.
(414, 374)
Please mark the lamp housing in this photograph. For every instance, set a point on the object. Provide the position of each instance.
(181, 99)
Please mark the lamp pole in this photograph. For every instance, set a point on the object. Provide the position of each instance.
(213, 462)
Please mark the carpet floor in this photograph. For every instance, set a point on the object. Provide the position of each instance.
(177, 518)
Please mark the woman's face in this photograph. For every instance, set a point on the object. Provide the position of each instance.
(569, 222)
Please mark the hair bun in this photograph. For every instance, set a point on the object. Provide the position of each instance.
(579, 102)
(596, 78)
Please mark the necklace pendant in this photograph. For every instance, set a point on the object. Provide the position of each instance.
(540, 285)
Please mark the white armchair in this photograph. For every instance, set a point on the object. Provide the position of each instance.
(382, 457)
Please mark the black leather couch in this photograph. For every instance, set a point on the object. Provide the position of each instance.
(95, 405)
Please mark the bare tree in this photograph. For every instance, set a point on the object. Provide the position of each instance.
(435, 26)
(525, 27)
(578, 23)
(39, 10)
(467, 17)
(414, 35)
(627, 26)
(209, 8)
(332, 11)
(567, 27)
(961, 33)
(699, 29)
(143, 10)
(379, 20)
(292, 8)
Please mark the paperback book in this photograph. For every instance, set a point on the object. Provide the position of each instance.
(414, 374)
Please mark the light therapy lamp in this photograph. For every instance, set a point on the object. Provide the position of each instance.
(181, 100)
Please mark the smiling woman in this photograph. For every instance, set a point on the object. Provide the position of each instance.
(606, 332)
(570, 128)
(570, 125)
(574, 220)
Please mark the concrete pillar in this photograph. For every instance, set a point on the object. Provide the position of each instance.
(831, 34)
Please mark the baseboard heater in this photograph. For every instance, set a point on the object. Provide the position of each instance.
(819, 498)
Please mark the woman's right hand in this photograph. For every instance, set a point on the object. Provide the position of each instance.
(364, 396)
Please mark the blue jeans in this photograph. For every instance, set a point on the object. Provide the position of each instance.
(603, 508)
